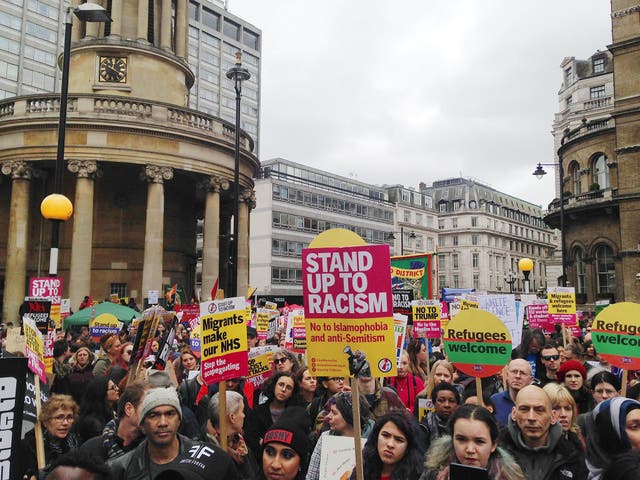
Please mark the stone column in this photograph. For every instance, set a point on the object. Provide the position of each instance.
(165, 25)
(247, 202)
(182, 24)
(116, 18)
(154, 229)
(82, 239)
(143, 20)
(16, 265)
(211, 230)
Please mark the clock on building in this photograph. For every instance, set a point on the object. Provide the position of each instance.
(113, 69)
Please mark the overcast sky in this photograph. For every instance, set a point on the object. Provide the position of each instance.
(407, 91)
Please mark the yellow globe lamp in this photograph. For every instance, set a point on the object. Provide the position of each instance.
(525, 265)
(56, 207)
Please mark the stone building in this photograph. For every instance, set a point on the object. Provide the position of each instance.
(597, 137)
(141, 167)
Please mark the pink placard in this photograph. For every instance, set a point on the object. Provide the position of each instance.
(231, 365)
(348, 282)
(46, 287)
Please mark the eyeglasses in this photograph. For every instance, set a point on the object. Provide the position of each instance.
(62, 418)
(548, 358)
(114, 388)
(337, 379)
(276, 361)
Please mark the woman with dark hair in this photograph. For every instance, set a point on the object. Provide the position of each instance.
(474, 442)
(529, 349)
(281, 391)
(446, 399)
(97, 407)
(417, 351)
(119, 370)
(391, 451)
(285, 451)
(604, 385)
(308, 385)
(573, 375)
(285, 361)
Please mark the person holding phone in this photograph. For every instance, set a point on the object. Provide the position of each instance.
(471, 449)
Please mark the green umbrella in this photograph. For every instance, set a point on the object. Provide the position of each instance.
(122, 313)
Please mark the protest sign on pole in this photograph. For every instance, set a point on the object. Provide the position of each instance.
(562, 305)
(538, 316)
(260, 364)
(616, 335)
(400, 331)
(13, 372)
(223, 340)
(349, 312)
(402, 301)
(413, 272)
(34, 348)
(37, 309)
(103, 324)
(51, 289)
(503, 307)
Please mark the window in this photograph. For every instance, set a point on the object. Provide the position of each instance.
(598, 65)
(606, 270)
(454, 223)
(455, 240)
(231, 29)
(418, 219)
(442, 280)
(41, 32)
(442, 207)
(210, 19)
(440, 224)
(474, 221)
(475, 240)
(250, 39)
(119, 289)
(430, 244)
(580, 275)
(454, 260)
(442, 261)
(601, 171)
(473, 204)
(476, 281)
(569, 100)
(456, 281)
(407, 216)
(441, 242)
(596, 92)
(456, 205)
(475, 260)
(574, 171)
(568, 75)
(194, 13)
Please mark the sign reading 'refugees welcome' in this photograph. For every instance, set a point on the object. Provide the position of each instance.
(349, 310)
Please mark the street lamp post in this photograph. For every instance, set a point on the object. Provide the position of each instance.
(391, 236)
(56, 207)
(510, 280)
(525, 265)
(238, 75)
(539, 173)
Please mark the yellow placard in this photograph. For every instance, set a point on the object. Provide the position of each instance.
(562, 301)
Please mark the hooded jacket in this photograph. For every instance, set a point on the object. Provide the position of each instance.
(441, 454)
(559, 459)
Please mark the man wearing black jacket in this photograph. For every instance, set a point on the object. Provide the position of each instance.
(537, 442)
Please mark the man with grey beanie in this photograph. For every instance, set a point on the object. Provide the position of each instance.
(160, 416)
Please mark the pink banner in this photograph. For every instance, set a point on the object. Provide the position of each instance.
(46, 287)
(231, 365)
(426, 328)
(349, 282)
(538, 316)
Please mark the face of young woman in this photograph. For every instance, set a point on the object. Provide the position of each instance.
(472, 442)
(422, 354)
(632, 427)
(573, 380)
(284, 389)
(308, 382)
(564, 413)
(392, 444)
(189, 362)
(282, 363)
(280, 462)
(83, 357)
(337, 423)
(603, 391)
(403, 366)
(441, 375)
(113, 392)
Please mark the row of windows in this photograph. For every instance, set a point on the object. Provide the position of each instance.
(292, 195)
(11, 21)
(37, 79)
(287, 248)
(231, 29)
(297, 174)
(420, 219)
(491, 207)
(495, 242)
(498, 226)
(9, 45)
(416, 198)
(43, 8)
(313, 225)
(599, 174)
(286, 275)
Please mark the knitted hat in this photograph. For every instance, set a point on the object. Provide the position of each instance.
(610, 418)
(288, 432)
(157, 397)
(571, 365)
(344, 404)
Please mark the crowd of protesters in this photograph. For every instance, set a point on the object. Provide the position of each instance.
(556, 412)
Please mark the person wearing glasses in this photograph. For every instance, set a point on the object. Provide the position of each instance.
(518, 375)
(326, 388)
(551, 360)
(97, 407)
(281, 391)
(285, 361)
(57, 416)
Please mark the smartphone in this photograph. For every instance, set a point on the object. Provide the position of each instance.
(459, 471)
